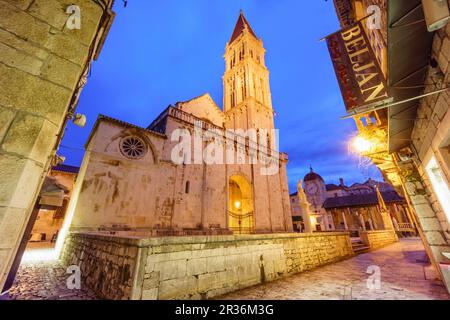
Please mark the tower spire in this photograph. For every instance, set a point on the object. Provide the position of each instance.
(241, 24)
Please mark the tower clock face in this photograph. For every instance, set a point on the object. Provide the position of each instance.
(312, 189)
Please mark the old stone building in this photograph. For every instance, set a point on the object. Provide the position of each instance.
(129, 180)
(49, 219)
(351, 208)
(408, 137)
(44, 60)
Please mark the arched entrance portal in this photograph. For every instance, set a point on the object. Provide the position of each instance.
(240, 205)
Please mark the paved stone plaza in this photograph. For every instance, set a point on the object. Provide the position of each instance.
(405, 274)
(44, 281)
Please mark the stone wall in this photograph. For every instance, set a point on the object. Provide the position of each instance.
(41, 63)
(199, 267)
(107, 264)
(378, 238)
(431, 139)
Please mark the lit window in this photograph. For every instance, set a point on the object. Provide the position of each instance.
(440, 185)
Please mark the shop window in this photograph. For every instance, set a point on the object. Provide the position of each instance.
(440, 185)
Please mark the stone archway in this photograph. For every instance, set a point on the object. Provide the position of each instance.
(240, 205)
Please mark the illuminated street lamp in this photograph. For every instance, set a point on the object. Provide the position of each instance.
(361, 144)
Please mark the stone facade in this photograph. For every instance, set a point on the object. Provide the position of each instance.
(124, 267)
(349, 208)
(432, 143)
(41, 63)
(50, 220)
(378, 238)
(150, 191)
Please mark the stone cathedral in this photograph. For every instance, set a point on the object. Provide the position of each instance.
(129, 182)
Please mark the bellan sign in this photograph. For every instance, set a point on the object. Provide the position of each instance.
(360, 78)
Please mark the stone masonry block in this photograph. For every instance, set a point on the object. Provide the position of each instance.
(17, 59)
(6, 117)
(64, 46)
(151, 294)
(23, 91)
(444, 56)
(51, 11)
(214, 264)
(4, 255)
(11, 222)
(22, 45)
(30, 136)
(17, 176)
(424, 211)
(21, 4)
(196, 266)
(22, 24)
(435, 238)
(62, 71)
(177, 288)
(441, 107)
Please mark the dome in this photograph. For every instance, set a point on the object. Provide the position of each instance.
(312, 176)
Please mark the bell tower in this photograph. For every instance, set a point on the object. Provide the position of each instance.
(246, 92)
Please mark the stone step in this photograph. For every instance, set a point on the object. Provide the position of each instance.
(360, 248)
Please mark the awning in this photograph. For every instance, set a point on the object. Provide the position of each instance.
(409, 47)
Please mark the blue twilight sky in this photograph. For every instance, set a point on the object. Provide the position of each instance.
(159, 52)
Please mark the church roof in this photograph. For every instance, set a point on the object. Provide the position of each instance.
(332, 187)
(240, 26)
(66, 168)
(358, 200)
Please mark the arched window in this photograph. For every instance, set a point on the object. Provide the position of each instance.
(187, 186)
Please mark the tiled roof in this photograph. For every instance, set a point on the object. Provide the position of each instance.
(332, 187)
(126, 124)
(239, 28)
(359, 200)
(66, 168)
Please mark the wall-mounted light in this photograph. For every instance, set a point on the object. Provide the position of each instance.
(237, 204)
(436, 14)
(79, 120)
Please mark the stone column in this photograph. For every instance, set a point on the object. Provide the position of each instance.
(42, 64)
(361, 219)
(326, 222)
(387, 220)
(345, 220)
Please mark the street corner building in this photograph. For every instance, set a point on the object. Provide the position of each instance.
(44, 65)
(394, 77)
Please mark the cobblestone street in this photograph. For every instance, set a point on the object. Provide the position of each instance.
(44, 281)
(405, 274)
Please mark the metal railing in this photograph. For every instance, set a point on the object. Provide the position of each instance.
(405, 227)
